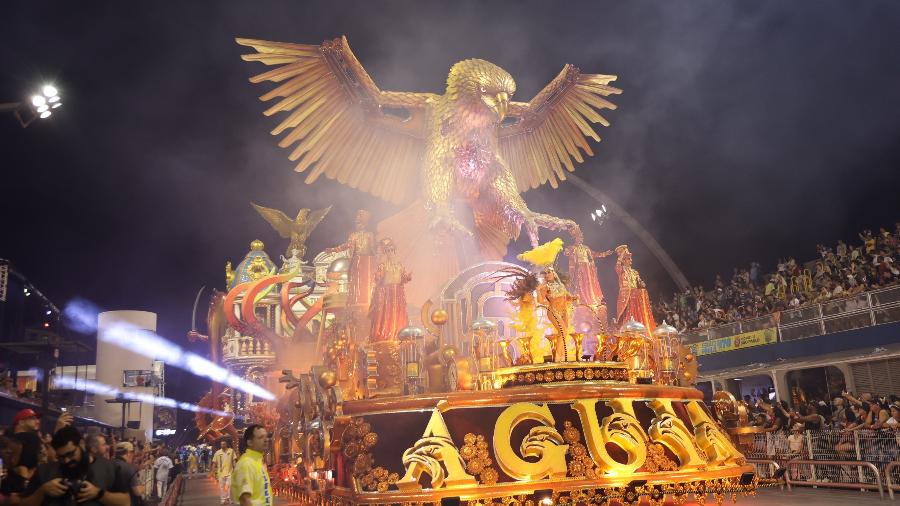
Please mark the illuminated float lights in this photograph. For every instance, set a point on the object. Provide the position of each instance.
(717, 490)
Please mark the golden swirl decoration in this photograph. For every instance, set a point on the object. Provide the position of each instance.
(358, 441)
(476, 455)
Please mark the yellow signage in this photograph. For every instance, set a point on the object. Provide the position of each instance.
(736, 342)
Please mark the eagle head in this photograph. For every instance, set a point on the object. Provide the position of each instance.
(481, 84)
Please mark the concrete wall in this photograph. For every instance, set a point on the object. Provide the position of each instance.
(113, 360)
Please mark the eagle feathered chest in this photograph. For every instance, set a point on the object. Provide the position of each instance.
(467, 148)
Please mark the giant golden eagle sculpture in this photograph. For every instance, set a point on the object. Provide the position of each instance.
(473, 144)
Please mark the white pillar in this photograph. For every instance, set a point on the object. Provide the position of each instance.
(113, 360)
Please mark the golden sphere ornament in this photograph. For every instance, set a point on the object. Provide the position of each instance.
(688, 375)
(689, 357)
(439, 317)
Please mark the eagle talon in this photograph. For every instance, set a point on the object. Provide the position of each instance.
(450, 224)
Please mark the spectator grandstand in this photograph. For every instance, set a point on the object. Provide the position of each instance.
(838, 272)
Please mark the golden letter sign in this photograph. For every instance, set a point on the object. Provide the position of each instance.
(430, 455)
(620, 428)
(543, 442)
(542, 452)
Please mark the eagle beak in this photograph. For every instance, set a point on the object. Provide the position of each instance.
(502, 104)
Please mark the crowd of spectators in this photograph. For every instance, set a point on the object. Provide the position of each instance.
(846, 428)
(846, 413)
(85, 466)
(842, 271)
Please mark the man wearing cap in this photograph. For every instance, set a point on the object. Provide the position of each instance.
(127, 477)
(25, 426)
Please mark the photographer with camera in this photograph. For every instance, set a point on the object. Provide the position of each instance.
(75, 478)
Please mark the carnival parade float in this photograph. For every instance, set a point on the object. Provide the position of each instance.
(415, 365)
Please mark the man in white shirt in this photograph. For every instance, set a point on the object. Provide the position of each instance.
(162, 465)
(222, 467)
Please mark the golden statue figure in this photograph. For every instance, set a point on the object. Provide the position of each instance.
(361, 246)
(633, 301)
(583, 271)
(472, 144)
(297, 230)
(388, 309)
(553, 294)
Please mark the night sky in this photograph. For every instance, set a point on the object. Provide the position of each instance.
(746, 130)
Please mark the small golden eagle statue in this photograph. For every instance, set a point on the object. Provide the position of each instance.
(297, 230)
(473, 144)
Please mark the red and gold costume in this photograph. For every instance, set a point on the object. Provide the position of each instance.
(633, 301)
(388, 309)
(583, 271)
(361, 245)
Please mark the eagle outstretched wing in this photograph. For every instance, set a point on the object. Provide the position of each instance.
(279, 221)
(313, 220)
(340, 124)
(551, 130)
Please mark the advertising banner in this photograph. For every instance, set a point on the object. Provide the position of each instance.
(736, 342)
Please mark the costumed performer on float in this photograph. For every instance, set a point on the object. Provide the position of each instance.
(633, 301)
(388, 310)
(361, 245)
(583, 273)
(553, 294)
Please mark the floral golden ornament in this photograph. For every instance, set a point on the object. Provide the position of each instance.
(657, 460)
(476, 455)
(370, 440)
(358, 440)
(580, 464)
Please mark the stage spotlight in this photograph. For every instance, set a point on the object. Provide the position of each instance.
(598, 216)
(36, 106)
(49, 98)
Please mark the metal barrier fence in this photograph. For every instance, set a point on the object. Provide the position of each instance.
(821, 450)
(889, 473)
(862, 310)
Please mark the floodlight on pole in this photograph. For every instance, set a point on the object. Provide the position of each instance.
(38, 107)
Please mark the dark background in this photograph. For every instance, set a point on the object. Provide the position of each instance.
(746, 130)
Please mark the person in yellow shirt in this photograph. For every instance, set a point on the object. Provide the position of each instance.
(222, 467)
(250, 484)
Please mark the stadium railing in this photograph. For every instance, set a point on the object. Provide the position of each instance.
(866, 309)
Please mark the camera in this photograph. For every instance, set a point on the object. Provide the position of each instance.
(72, 489)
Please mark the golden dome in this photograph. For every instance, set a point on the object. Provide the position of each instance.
(257, 245)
